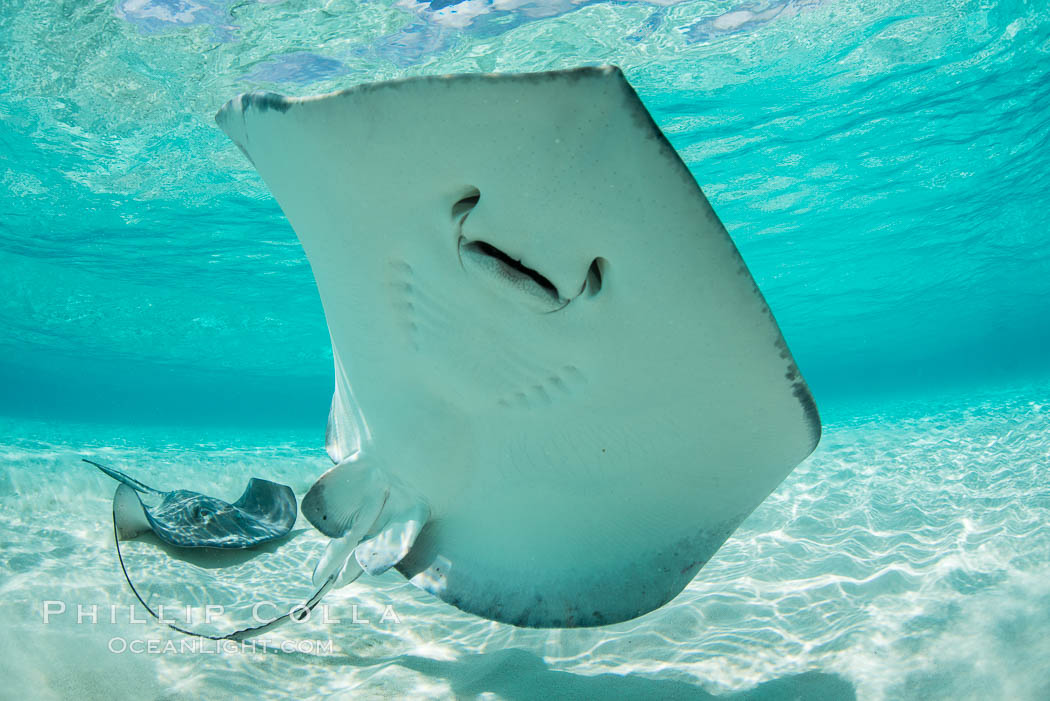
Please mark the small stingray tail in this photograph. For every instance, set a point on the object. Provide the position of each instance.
(121, 477)
(297, 614)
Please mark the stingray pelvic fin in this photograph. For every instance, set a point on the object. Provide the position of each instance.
(390, 545)
(372, 519)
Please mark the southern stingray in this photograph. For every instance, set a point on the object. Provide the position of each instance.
(265, 512)
(558, 389)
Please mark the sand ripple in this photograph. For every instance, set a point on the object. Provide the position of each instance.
(909, 558)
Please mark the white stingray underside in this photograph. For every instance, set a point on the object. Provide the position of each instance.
(584, 446)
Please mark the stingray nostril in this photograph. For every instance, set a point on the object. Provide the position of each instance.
(467, 202)
(595, 276)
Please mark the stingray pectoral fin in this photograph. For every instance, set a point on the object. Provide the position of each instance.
(129, 516)
(272, 506)
(388, 547)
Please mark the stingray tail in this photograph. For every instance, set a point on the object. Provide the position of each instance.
(296, 614)
(121, 477)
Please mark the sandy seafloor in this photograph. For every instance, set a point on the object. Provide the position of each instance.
(909, 558)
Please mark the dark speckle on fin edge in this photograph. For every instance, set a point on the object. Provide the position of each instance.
(264, 101)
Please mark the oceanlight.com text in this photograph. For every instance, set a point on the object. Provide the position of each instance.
(201, 646)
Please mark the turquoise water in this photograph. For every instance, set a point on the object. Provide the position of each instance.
(880, 165)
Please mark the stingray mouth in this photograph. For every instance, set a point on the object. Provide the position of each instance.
(534, 287)
(482, 257)
(511, 277)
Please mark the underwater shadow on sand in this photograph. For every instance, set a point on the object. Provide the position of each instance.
(519, 675)
(217, 558)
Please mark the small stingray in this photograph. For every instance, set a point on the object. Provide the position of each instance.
(265, 512)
